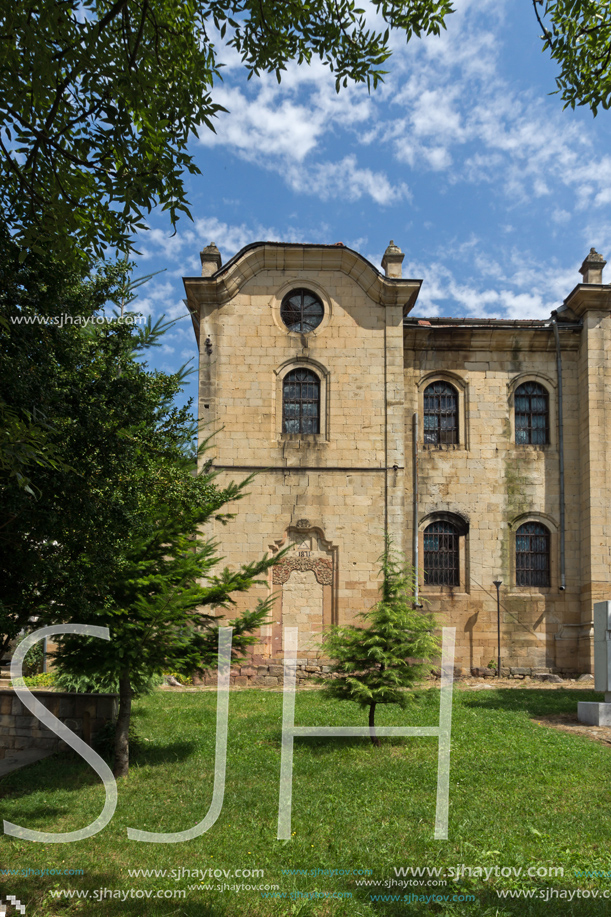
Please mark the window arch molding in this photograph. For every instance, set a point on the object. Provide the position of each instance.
(301, 283)
(552, 528)
(461, 525)
(457, 519)
(461, 386)
(543, 518)
(280, 374)
(550, 386)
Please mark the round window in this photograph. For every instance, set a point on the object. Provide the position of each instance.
(301, 311)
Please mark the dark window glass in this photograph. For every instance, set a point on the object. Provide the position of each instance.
(441, 554)
(301, 402)
(532, 414)
(301, 311)
(532, 555)
(440, 414)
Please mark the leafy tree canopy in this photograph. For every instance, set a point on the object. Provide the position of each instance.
(64, 439)
(106, 531)
(98, 98)
(577, 34)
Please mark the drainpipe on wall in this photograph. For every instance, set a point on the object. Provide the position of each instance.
(415, 507)
(560, 458)
(386, 532)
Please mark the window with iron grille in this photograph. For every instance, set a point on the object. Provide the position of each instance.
(440, 414)
(532, 555)
(441, 564)
(301, 311)
(301, 402)
(532, 414)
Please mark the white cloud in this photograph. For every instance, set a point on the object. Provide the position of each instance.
(281, 127)
(267, 126)
(516, 284)
(181, 249)
(447, 107)
(345, 179)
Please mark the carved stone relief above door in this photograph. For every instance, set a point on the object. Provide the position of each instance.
(305, 587)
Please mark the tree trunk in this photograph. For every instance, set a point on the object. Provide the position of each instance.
(123, 721)
(372, 726)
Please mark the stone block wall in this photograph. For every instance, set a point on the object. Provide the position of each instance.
(84, 714)
(331, 496)
(268, 673)
(495, 485)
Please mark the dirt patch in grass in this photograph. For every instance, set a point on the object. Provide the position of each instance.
(568, 722)
(523, 683)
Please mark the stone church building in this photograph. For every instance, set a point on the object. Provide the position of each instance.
(480, 445)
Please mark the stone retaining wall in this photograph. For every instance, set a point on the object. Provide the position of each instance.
(520, 672)
(268, 674)
(84, 714)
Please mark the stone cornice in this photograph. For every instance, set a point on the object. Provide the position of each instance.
(499, 339)
(227, 282)
(589, 296)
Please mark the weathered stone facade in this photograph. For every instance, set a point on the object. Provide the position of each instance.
(333, 493)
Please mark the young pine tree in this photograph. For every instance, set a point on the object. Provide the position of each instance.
(375, 664)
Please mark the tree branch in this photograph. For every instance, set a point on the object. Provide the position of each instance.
(132, 57)
(546, 34)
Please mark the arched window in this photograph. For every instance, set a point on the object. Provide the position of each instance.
(440, 414)
(301, 311)
(441, 564)
(532, 414)
(532, 555)
(301, 402)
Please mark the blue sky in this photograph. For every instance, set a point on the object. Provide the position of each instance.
(463, 158)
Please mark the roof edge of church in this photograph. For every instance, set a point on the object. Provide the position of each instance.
(335, 245)
(452, 322)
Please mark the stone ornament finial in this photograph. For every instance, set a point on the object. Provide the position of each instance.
(392, 260)
(592, 267)
(211, 260)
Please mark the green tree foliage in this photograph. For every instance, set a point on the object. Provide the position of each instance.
(98, 98)
(107, 533)
(375, 664)
(157, 610)
(23, 446)
(52, 460)
(577, 33)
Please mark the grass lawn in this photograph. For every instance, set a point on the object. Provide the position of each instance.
(521, 795)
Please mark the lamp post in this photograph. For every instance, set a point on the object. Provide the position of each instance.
(498, 583)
